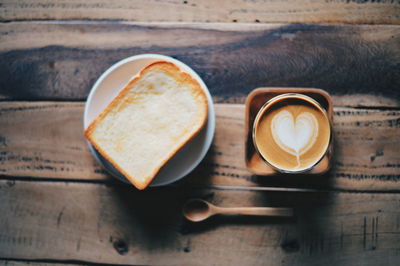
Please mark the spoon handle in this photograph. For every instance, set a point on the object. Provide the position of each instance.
(260, 211)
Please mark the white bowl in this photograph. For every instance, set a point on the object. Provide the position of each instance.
(108, 86)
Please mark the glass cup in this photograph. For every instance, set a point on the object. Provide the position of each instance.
(280, 99)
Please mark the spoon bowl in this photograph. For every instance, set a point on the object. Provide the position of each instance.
(197, 210)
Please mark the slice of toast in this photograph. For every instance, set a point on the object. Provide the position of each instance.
(153, 116)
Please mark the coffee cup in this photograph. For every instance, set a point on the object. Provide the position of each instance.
(292, 133)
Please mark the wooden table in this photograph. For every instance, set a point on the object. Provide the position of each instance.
(58, 206)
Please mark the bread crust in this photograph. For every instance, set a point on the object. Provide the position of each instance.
(181, 77)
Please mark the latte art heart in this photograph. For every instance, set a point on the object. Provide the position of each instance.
(294, 136)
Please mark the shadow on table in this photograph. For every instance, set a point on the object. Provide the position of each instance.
(153, 218)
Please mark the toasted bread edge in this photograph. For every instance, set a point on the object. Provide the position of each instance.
(181, 76)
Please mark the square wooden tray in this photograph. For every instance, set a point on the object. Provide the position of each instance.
(254, 101)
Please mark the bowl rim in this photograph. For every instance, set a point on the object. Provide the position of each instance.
(209, 126)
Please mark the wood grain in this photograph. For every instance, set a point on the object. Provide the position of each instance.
(300, 11)
(358, 65)
(17, 262)
(45, 140)
(118, 225)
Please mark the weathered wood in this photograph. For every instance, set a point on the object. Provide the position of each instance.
(358, 65)
(303, 11)
(33, 263)
(45, 140)
(119, 225)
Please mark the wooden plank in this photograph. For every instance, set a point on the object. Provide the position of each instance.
(300, 11)
(33, 263)
(119, 225)
(45, 140)
(358, 65)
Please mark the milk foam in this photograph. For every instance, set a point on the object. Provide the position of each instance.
(294, 136)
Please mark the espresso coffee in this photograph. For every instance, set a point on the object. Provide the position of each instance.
(292, 132)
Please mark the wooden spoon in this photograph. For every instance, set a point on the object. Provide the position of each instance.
(197, 210)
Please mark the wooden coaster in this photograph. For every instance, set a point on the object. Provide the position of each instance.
(254, 101)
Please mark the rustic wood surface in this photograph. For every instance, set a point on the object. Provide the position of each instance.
(358, 65)
(110, 224)
(300, 11)
(58, 205)
(21, 262)
(45, 140)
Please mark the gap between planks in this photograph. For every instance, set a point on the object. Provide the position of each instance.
(7, 261)
(116, 183)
